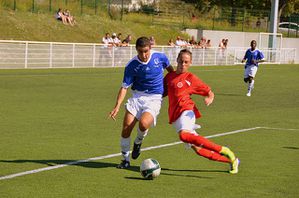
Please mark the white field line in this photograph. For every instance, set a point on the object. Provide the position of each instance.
(119, 154)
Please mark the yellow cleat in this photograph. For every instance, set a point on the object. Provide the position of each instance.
(227, 152)
(235, 166)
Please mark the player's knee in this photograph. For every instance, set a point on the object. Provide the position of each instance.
(143, 126)
(184, 136)
(250, 79)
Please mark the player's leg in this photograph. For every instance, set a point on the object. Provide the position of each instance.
(212, 155)
(145, 122)
(128, 125)
(150, 110)
(251, 74)
(197, 140)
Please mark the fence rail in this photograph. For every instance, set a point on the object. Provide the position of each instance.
(29, 54)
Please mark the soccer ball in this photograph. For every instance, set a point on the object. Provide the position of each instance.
(150, 168)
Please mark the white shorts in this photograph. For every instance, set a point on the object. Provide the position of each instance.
(142, 102)
(186, 122)
(250, 71)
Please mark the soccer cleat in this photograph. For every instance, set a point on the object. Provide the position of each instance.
(235, 166)
(123, 165)
(136, 151)
(227, 152)
(248, 94)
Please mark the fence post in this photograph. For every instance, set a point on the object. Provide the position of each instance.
(113, 58)
(51, 55)
(94, 56)
(73, 59)
(26, 54)
(203, 56)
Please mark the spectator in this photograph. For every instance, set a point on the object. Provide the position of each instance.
(107, 40)
(258, 23)
(69, 18)
(180, 42)
(119, 35)
(202, 42)
(171, 43)
(127, 40)
(115, 40)
(152, 41)
(192, 42)
(208, 44)
(225, 43)
(60, 16)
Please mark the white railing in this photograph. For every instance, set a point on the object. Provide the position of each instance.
(29, 54)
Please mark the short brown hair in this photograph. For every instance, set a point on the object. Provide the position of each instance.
(143, 42)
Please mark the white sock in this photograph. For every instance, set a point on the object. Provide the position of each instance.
(125, 148)
(140, 136)
(250, 86)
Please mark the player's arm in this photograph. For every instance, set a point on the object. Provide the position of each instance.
(245, 58)
(209, 98)
(120, 98)
(170, 68)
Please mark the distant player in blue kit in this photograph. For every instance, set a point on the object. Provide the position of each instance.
(144, 74)
(252, 57)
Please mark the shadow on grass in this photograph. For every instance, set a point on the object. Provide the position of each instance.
(229, 94)
(291, 147)
(89, 164)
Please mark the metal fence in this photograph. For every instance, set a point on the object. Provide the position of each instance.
(28, 54)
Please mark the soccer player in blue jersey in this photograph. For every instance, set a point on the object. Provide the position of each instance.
(252, 57)
(144, 74)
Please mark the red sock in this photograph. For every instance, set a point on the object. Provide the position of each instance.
(212, 155)
(200, 141)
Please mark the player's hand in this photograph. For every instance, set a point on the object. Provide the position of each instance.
(113, 113)
(254, 61)
(209, 100)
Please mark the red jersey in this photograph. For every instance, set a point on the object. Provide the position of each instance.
(179, 88)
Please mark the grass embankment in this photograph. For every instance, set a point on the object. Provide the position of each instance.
(89, 28)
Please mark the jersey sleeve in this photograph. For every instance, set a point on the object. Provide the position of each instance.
(247, 54)
(199, 87)
(166, 62)
(260, 55)
(128, 76)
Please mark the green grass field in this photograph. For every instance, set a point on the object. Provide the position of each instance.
(59, 116)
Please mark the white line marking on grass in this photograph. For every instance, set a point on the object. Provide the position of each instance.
(119, 154)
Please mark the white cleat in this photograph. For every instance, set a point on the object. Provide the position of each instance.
(248, 94)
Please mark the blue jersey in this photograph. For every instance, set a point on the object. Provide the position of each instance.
(253, 55)
(146, 77)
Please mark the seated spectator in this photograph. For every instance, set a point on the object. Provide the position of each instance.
(107, 40)
(180, 42)
(208, 44)
(127, 40)
(69, 18)
(60, 16)
(171, 43)
(192, 41)
(202, 43)
(116, 41)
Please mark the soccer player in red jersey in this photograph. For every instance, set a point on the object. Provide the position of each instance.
(179, 85)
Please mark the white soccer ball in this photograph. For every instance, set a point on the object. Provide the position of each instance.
(150, 168)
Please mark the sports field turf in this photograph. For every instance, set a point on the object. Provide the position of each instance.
(50, 119)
